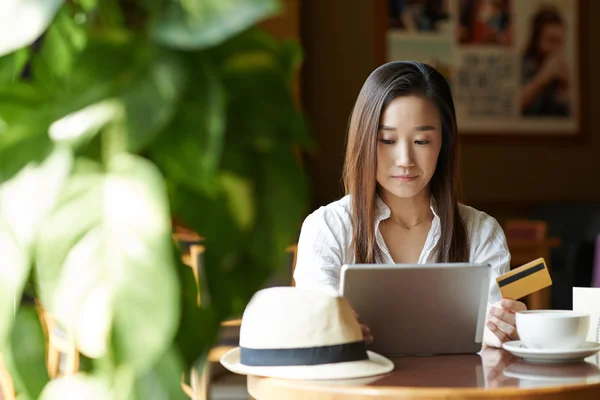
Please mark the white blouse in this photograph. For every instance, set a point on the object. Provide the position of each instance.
(325, 244)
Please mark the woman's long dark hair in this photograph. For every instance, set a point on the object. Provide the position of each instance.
(392, 80)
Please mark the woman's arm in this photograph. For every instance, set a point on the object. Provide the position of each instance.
(492, 248)
(489, 247)
(320, 251)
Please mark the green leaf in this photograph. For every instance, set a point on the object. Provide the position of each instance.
(282, 198)
(26, 357)
(22, 22)
(116, 224)
(197, 24)
(155, 7)
(147, 80)
(253, 39)
(106, 61)
(82, 125)
(290, 58)
(108, 14)
(251, 63)
(102, 70)
(259, 177)
(79, 208)
(222, 238)
(18, 102)
(248, 125)
(163, 380)
(32, 193)
(240, 257)
(88, 5)
(189, 150)
(152, 99)
(256, 49)
(240, 195)
(12, 65)
(62, 42)
(24, 121)
(21, 145)
(78, 386)
(14, 269)
(24, 202)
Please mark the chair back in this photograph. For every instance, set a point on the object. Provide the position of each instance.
(525, 230)
(62, 357)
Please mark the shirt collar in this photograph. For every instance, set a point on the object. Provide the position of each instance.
(383, 211)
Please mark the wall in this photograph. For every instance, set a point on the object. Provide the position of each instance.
(542, 173)
(285, 25)
(339, 40)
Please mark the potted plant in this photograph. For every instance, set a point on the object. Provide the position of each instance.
(115, 116)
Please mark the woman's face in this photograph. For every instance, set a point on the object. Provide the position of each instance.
(551, 38)
(409, 143)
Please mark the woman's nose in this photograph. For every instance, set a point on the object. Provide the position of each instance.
(404, 156)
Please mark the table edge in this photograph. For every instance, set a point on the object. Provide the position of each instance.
(253, 380)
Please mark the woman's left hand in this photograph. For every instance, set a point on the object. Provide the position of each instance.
(501, 322)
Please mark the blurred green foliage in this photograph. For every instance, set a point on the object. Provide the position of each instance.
(123, 114)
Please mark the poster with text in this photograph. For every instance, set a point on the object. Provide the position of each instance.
(512, 64)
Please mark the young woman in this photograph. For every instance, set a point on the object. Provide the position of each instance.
(401, 178)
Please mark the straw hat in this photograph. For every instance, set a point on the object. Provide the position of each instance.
(293, 333)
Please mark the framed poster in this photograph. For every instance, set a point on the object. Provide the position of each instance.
(515, 66)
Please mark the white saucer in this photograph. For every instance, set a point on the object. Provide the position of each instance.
(550, 355)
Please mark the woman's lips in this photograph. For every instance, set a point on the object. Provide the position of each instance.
(405, 178)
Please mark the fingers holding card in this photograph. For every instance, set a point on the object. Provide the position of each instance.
(515, 285)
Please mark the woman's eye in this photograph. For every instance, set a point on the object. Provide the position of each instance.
(386, 141)
(421, 141)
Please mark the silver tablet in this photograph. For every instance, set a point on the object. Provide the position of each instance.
(416, 309)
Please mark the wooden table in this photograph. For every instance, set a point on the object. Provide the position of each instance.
(492, 374)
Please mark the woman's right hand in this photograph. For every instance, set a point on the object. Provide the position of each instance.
(366, 332)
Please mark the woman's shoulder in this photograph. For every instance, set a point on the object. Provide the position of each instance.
(337, 213)
(482, 229)
(475, 219)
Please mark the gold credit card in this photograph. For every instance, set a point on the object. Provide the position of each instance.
(524, 280)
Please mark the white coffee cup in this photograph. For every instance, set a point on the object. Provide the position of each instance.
(552, 329)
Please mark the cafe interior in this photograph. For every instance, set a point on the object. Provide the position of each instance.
(532, 165)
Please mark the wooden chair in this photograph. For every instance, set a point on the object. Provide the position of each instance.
(528, 240)
(62, 357)
(199, 385)
(184, 241)
(526, 230)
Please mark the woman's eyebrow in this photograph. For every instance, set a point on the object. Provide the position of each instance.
(422, 128)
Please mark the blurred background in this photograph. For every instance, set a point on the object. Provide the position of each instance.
(542, 182)
(225, 123)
